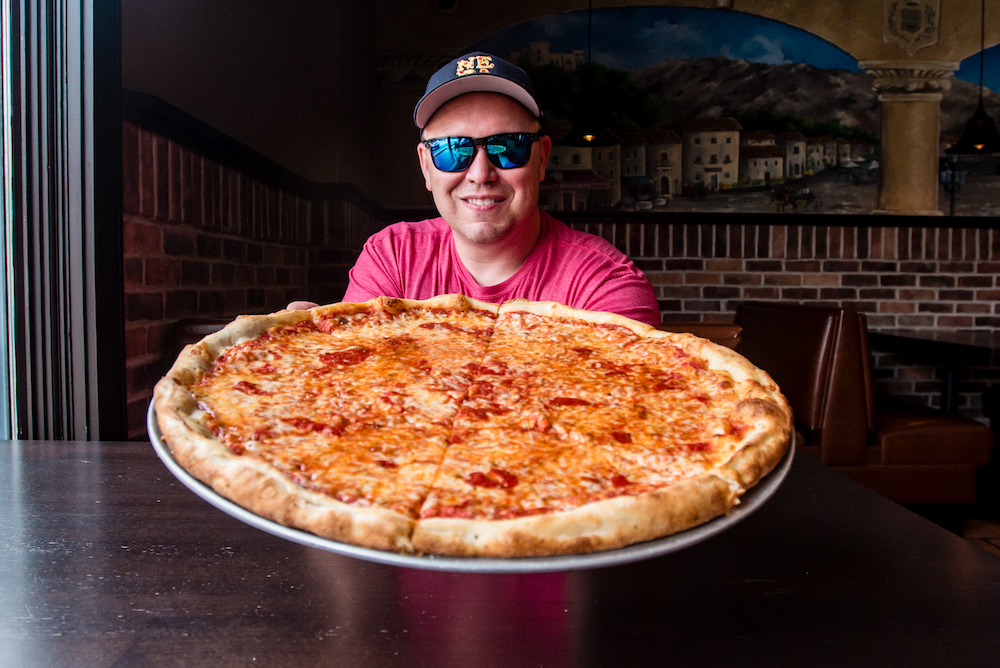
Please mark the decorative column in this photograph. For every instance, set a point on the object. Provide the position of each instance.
(910, 93)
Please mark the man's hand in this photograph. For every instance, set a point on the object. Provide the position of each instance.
(300, 306)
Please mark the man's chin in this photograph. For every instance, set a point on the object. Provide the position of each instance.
(483, 233)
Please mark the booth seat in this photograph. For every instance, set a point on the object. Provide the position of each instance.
(821, 359)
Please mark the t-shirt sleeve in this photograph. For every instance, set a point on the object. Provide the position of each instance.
(375, 274)
(626, 293)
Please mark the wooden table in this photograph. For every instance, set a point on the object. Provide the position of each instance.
(949, 349)
(106, 560)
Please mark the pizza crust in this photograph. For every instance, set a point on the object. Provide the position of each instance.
(264, 491)
(600, 525)
(249, 482)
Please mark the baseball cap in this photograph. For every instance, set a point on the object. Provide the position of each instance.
(471, 73)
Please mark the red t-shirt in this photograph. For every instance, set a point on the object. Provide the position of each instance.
(419, 261)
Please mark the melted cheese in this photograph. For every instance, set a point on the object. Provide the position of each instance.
(444, 413)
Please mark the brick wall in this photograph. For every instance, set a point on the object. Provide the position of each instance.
(205, 240)
(912, 277)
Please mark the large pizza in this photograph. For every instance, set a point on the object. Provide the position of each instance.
(457, 427)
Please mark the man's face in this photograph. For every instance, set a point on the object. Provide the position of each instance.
(484, 204)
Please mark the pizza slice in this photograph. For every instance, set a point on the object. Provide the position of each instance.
(506, 492)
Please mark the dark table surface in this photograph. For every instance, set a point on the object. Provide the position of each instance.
(962, 345)
(106, 560)
(950, 349)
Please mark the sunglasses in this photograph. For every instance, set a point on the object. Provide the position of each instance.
(506, 151)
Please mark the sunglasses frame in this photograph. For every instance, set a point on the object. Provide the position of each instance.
(494, 158)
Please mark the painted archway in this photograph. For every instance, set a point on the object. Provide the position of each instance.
(414, 39)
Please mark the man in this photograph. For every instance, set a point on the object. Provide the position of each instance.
(483, 160)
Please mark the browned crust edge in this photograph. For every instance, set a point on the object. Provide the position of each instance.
(597, 526)
(262, 489)
(602, 525)
(557, 310)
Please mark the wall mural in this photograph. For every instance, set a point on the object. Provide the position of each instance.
(686, 109)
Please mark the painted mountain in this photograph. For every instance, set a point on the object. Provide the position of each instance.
(713, 87)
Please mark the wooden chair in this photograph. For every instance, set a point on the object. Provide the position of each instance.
(820, 358)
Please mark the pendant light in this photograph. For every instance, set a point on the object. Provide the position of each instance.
(588, 130)
(980, 136)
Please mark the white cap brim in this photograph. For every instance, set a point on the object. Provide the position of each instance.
(471, 84)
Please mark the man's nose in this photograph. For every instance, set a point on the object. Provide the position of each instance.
(481, 170)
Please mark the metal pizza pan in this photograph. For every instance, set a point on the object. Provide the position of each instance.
(751, 501)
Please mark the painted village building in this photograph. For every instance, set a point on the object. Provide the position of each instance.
(814, 155)
(582, 175)
(710, 153)
(844, 152)
(537, 54)
(761, 164)
(636, 185)
(794, 145)
(663, 161)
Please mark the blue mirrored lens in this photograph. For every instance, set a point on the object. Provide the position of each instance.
(506, 151)
(452, 154)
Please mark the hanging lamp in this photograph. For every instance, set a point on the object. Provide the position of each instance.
(980, 135)
(588, 129)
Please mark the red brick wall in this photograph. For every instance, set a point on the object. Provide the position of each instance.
(925, 278)
(205, 240)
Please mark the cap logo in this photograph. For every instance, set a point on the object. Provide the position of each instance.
(480, 64)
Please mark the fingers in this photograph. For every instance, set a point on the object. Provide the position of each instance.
(300, 306)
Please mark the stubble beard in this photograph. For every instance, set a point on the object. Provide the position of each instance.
(485, 233)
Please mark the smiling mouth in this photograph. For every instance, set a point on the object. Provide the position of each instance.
(483, 201)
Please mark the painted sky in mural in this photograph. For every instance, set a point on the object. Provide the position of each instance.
(628, 38)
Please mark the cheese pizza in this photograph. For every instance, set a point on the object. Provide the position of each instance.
(456, 427)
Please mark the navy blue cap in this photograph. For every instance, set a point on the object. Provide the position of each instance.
(476, 72)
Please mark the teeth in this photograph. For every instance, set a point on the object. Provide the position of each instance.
(481, 202)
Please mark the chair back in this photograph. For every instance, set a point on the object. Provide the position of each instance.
(816, 356)
(724, 333)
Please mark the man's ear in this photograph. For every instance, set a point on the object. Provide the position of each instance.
(546, 148)
(424, 157)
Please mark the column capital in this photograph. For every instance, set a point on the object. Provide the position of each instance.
(911, 77)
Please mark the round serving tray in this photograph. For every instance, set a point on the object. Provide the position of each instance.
(751, 501)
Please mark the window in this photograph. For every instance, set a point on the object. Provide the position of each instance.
(555, 160)
(576, 158)
(697, 140)
(795, 150)
(713, 140)
(697, 159)
(599, 155)
(663, 156)
(713, 159)
(729, 140)
(611, 155)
